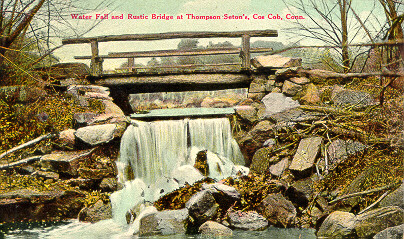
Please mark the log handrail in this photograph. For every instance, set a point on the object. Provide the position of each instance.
(171, 35)
(245, 51)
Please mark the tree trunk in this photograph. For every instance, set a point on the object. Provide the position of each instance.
(344, 26)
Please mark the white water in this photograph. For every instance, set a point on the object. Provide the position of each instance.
(158, 157)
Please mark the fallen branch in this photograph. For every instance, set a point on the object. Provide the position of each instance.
(23, 161)
(363, 193)
(331, 110)
(333, 75)
(375, 203)
(29, 143)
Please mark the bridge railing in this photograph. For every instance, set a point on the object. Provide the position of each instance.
(244, 52)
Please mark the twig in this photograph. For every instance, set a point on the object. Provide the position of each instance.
(27, 160)
(375, 203)
(363, 192)
(29, 143)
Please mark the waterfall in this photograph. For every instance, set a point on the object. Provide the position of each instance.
(155, 157)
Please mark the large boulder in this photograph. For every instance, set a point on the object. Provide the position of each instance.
(278, 210)
(339, 150)
(350, 98)
(224, 194)
(202, 207)
(311, 96)
(262, 160)
(275, 61)
(395, 198)
(370, 223)
(249, 221)
(214, 229)
(164, 223)
(338, 225)
(96, 212)
(278, 102)
(301, 192)
(109, 184)
(186, 174)
(64, 162)
(396, 232)
(290, 88)
(287, 73)
(97, 134)
(280, 167)
(306, 154)
(31, 205)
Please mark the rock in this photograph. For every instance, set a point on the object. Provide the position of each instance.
(262, 160)
(299, 80)
(256, 96)
(239, 171)
(370, 223)
(338, 225)
(29, 205)
(82, 119)
(202, 207)
(186, 174)
(391, 233)
(275, 61)
(355, 99)
(312, 95)
(301, 192)
(97, 212)
(278, 168)
(269, 143)
(255, 138)
(224, 194)
(247, 113)
(64, 162)
(67, 139)
(277, 102)
(278, 210)
(287, 73)
(164, 223)
(137, 210)
(100, 96)
(46, 175)
(109, 184)
(112, 108)
(214, 229)
(256, 88)
(82, 89)
(339, 150)
(291, 89)
(395, 198)
(294, 115)
(96, 134)
(398, 140)
(249, 221)
(306, 154)
(81, 183)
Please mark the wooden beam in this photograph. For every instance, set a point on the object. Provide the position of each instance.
(171, 35)
(167, 53)
(190, 79)
(178, 66)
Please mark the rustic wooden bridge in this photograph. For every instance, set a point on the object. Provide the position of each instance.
(135, 79)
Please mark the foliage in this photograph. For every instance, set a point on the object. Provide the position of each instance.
(20, 123)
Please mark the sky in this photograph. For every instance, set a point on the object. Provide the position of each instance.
(176, 8)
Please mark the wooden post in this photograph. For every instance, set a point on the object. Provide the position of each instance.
(131, 63)
(96, 61)
(245, 53)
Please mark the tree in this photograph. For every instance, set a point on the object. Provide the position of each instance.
(28, 26)
(335, 23)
